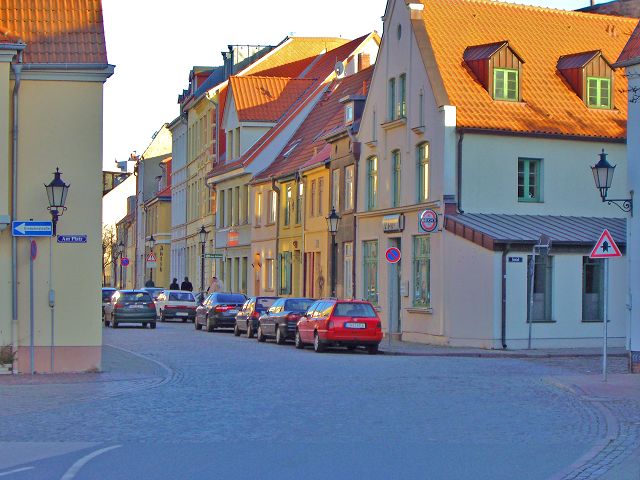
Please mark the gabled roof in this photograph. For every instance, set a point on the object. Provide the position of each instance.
(265, 99)
(327, 115)
(56, 31)
(482, 52)
(577, 60)
(540, 36)
(631, 53)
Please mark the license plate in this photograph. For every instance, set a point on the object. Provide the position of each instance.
(232, 312)
(355, 325)
(182, 314)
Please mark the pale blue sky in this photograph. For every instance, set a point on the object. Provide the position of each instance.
(154, 44)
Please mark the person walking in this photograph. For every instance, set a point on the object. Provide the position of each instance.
(186, 285)
(215, 285)
(174, 285)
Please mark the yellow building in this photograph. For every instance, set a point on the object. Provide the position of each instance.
(158, 226)
(57, 113)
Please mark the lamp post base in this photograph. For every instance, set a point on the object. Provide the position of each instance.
(634, 362)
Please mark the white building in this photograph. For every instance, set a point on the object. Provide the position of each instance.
(178, 129)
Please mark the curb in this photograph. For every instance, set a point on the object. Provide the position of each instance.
(497, 355)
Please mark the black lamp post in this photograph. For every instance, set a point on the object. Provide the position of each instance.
(120, 249)
(152, 243)
(603, 176)
(57, 195)
(332, 224)
(203, 241)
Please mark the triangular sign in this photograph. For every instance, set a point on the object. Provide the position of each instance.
(151, 257)
(605, 247)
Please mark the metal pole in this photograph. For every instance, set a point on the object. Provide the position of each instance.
(333, 265)
(31, 314)
(51, 300)
(532, 271)
(605, 320)
(202, 267)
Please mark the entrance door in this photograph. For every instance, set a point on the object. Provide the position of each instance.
(395, 270)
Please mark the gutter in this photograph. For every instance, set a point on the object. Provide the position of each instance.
(277, 272)
(17, 71)
(503, 313)
(67, 66)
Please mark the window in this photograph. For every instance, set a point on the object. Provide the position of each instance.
(392, 99)
(244, 201)
(402, 102)
(236, 144)
(335, 189)
(372, 183)
(288, 203)
(423, 172)
(299, 203)
(221, 200)
(529, 180)
(421, 272)
(505, 84)
(598, 92)
(395, 177)
(421, 107)
(243, 274)
(285, 273)
(236, 206)
(592, 289)
(541, 311)
(312, 200)
(320, 190)
(269, 273)
(230, 145)
(370, 257)
(258, 208)
(348, 270)
(348, 187)
(273, 206)
(348, 114)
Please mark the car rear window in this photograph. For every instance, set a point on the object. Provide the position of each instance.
(298, 304)
(107, 294)
(134, 297)
(229, 298)
(181, 297)
(354, 310)
(264, 303)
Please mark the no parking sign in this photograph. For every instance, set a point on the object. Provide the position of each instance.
(392, 255)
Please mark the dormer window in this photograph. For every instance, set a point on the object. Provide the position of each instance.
(498, 68)
(348, 114)
(590, 76)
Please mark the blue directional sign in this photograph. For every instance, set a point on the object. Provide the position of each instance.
(72, 239)
(31, 228)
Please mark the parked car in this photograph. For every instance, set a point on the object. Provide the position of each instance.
(153, 291)
(176, 304)
(130, 306)
(106, 297)
(219, 311)
(281, 319)
(343, 323)
(247, 317)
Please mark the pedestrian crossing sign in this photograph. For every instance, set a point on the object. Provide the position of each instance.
(605, 247)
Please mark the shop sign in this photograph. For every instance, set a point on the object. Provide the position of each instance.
(428, 221)
(393, 223)
(233, 238)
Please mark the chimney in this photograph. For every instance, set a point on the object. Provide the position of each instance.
(364, 61)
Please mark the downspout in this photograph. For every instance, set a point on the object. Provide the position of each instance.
(459, 172)
(353, 139)
(503, 326)
(277, 190)
(17, 71)
(303, 222)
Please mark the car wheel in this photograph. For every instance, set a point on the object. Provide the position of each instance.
(236, 330)
(162, 317)
(114, 324)
(372, 349)
(318, 345)
(279, 338)
(351, 348)
(184, 320)
(210, 326)
(197, 325)
(144, 324)
(260, 336)
(298, 341)
(153, 324)
(249, 330)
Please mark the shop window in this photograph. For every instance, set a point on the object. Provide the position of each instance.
(421, 272)
(592, 289)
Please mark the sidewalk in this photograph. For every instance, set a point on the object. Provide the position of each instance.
(422, 350)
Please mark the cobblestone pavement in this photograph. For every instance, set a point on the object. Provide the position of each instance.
(176, 403)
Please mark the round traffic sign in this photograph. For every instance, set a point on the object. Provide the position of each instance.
(392, 255)
(428, 220)
(124, 262)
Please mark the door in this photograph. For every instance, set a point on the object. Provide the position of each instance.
(395, 273)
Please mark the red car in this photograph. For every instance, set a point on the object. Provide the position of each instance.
(341, 323)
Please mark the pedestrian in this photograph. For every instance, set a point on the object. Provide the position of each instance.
(174, 285)
(149, 283)
(215, 285)
(186, 285)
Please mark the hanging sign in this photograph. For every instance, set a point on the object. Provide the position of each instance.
(428, 221)
(605, 247)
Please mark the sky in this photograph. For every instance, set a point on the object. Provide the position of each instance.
(154, 43)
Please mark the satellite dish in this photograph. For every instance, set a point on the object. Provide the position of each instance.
(339, 69)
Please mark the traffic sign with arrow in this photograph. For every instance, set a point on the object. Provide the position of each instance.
(31, 228)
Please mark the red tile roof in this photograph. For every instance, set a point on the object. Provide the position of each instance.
(56, 31)
(7, 37)
(326, 116)
(265, 99)
(541, 36)
(631, 53)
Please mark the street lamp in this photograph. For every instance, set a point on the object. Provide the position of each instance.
(332, 224)
(203, 241)
(152, 243)
(603, 176)
(57, 195)
(120, 250)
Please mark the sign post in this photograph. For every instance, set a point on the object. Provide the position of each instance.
(605, 248)
(33, 253)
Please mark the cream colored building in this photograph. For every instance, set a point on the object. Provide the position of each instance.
(53, 97)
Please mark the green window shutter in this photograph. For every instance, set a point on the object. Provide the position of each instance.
(372, 189)
(422, 152)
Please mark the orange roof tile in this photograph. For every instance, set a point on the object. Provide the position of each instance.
(265, 99)
(541, 36)
(7, 37)
(57, 31)
(293, 56)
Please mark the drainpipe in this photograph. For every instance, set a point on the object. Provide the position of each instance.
(17, 71)
(459, 172)
(277, 190)
(356, 157)
(503, 329)
(301, 181)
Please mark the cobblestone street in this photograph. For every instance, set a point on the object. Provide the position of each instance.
(176, 403)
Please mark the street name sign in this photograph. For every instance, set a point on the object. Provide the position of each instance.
(392, 255)
(213, 255)
(605, 247)
(31, 228)
(72, 239)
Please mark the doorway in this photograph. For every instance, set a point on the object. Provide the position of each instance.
(395, 273)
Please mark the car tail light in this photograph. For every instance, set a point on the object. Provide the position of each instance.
(151, 305)
(223, 308)
(379, 325)
(119, 305)
(292, 317)
(255, 315)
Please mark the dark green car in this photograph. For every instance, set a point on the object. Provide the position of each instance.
(130, 306)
